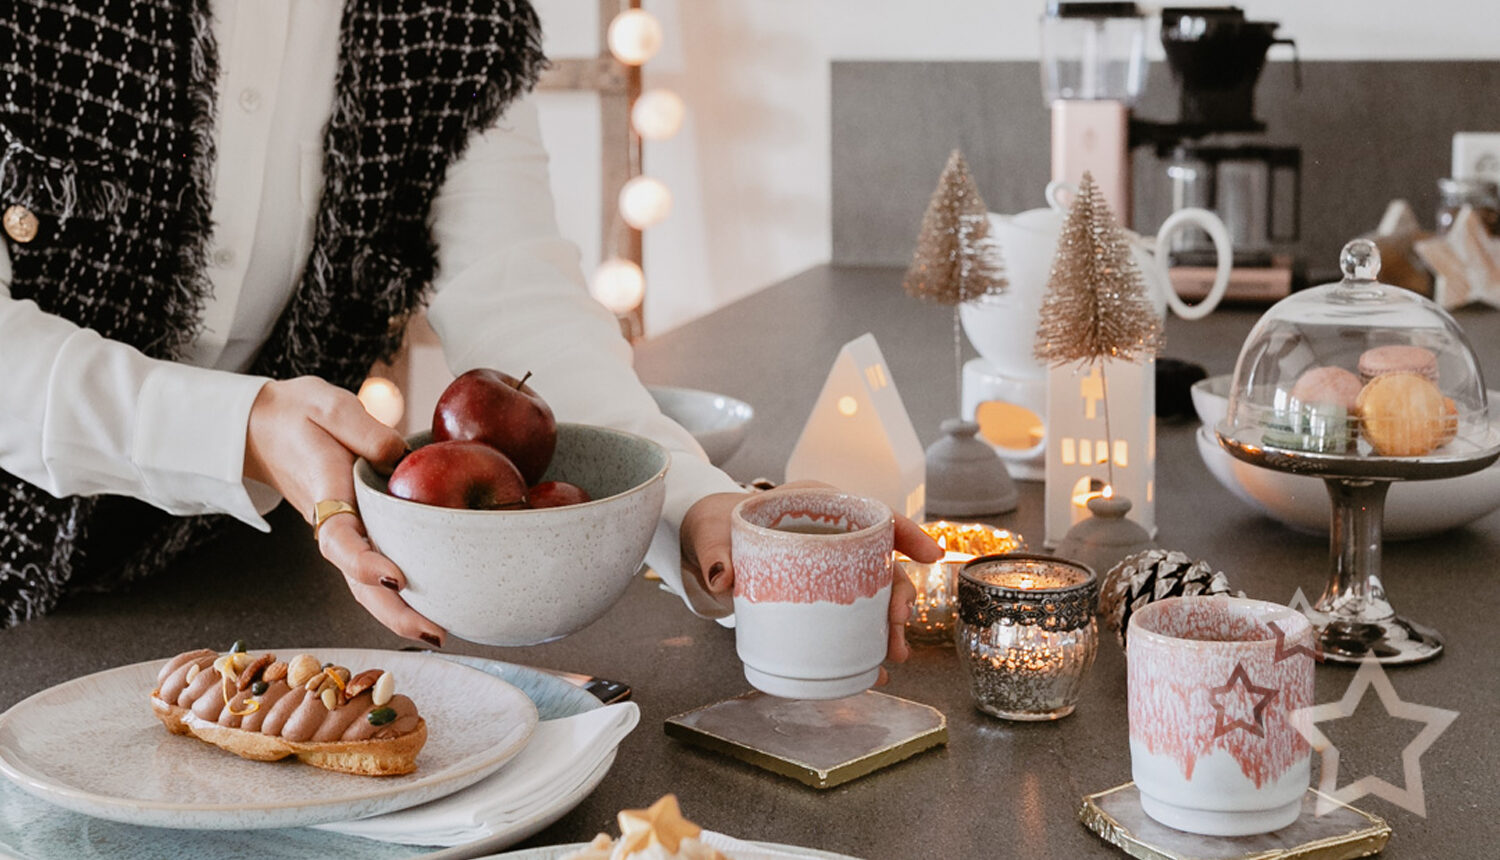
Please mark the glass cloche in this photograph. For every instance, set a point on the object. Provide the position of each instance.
(1360, 383)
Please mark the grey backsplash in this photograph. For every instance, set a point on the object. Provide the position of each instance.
(1370, 132)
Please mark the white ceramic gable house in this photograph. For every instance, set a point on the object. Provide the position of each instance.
(1079, 449)
(859, 437)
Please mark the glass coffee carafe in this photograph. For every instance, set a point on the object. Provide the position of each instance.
(1255, 190)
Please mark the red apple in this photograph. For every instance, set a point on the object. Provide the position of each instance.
(501, 411)
(555, 494)
(459, 475)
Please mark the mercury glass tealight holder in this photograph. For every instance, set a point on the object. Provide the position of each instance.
(1026, 633)
(936, 605)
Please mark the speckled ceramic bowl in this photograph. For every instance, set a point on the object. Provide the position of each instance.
(523, 577)
(717, 421)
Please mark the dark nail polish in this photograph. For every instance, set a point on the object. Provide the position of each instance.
(432, 640)
(715, 573)
(390, 582)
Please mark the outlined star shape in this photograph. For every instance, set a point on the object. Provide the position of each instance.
(1411, 797)
(1300, 602)
(1285, 653)
(1239, 677)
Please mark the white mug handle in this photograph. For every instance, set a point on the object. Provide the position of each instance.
(1055, 189)
(1210, 223)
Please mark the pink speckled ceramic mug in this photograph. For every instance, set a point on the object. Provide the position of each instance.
(812, 587)
(1214, 684)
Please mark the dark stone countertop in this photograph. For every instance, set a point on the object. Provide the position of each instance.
(997, 788)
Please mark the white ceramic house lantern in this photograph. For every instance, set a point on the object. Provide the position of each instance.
(1079, 450)
(859, 437)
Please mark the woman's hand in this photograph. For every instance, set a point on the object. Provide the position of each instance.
(303, 437)
(705, 556)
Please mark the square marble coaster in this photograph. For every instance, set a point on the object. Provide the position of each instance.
(817, 743)
(1116, 816)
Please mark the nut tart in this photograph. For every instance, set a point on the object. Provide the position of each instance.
(262, 708)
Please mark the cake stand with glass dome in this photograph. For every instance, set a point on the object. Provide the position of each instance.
(1361, 384)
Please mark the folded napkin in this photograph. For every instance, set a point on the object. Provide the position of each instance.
(560, 757)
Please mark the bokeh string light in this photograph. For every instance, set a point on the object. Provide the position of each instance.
(634, 37)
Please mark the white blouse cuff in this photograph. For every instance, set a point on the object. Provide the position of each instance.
(189, 443)
(689, 479)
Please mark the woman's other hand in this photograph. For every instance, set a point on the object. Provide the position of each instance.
(706, 557)
(303, 437)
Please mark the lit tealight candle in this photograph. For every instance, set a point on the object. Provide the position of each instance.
(932, 615)
(1026, 634)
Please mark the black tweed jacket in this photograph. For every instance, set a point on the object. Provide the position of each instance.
(106, 122)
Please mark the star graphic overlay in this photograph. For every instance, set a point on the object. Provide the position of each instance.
(1411, 797)
(1285, 653)
(1300, 602)
(1257, 724)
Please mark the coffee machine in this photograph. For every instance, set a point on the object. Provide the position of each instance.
(1215, 157)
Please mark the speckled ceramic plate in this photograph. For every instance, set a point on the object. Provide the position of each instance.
(92, 745)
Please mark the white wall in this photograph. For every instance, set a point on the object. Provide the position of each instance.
(750, 171)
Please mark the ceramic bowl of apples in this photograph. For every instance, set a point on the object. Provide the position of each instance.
(513, 528)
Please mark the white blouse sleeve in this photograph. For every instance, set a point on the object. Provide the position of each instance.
(510, 295)
(84, 415)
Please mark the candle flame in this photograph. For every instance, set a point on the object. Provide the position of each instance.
(1081, 500)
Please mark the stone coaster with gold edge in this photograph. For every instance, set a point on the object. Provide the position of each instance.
(1116, 816)
(817, 743)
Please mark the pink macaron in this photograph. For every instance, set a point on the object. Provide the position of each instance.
(1397, 358)
(1331, 385)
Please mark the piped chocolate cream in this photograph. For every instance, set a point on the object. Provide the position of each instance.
(295, 705)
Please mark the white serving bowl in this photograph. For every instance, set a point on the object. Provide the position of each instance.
(1412, 508)
(526, 576)
(717, 421)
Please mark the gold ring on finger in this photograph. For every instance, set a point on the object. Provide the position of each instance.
(327, 509)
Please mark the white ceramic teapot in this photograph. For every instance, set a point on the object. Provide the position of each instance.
(1003, 327)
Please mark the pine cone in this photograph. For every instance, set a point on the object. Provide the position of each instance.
(1150, 576)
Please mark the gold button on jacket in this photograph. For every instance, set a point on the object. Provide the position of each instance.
(20, 223)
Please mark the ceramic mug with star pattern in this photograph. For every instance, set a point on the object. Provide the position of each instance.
(1215, 683)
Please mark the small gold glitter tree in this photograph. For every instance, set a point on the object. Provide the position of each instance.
(956, 260)
(1096, 306)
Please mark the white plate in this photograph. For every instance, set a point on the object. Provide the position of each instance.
(92, 745)
(557, 852)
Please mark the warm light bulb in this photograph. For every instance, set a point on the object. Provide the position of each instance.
(382, 399)
(619, 285)
(848, 405)
(634, 36)
(644, 201)
(657, 114)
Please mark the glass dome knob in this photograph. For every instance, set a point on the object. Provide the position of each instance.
(1360, 260)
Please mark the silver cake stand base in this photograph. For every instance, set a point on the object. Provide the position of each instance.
(1353, 617)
